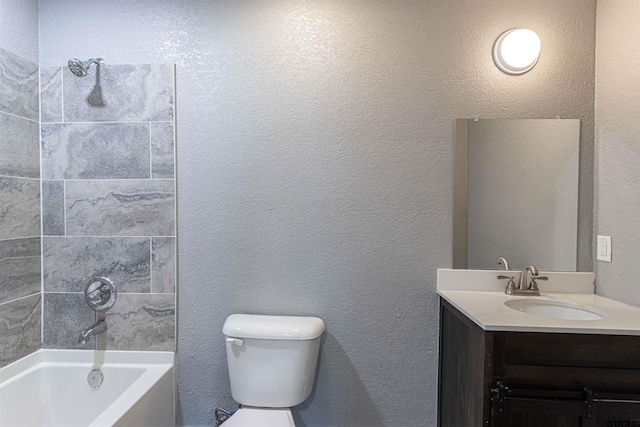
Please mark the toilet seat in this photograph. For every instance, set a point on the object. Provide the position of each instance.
(248, 416)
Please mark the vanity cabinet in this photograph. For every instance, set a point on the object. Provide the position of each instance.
(533, 379)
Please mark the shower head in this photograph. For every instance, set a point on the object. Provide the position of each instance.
(80, 68)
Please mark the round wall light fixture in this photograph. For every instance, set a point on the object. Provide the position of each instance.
(516, 51)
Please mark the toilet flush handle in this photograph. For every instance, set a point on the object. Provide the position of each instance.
(235, 341)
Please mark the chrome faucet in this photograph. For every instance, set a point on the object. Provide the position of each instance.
(503, 261)
(522, 283)
(97, 328)
(524, 287)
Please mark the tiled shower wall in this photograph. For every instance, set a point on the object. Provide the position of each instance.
(108, 203)
(20, 312)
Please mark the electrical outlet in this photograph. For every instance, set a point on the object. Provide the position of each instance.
(604, 248)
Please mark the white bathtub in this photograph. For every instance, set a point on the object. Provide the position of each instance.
(49, 388)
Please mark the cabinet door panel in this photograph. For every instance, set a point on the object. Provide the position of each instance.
(538, 413)
(463, 397)
(518, 412)
(576, 350)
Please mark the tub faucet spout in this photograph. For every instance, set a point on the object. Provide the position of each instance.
(97, 328)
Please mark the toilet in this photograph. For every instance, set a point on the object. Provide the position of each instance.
(272, 365)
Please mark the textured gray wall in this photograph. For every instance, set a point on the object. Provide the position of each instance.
(617, 113)
(315, 171)
(19, 28)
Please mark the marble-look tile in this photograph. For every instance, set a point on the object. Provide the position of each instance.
(18, 86)
(163, 266)
(53, 208)
(120, 208)
(162, 149)
(70, 262)
(19, 268)
(51, 94)
(20, 323)
(19, 147)
(19, 207)
(95, 150)
(120, 93)
(142, 322)
(66, 315)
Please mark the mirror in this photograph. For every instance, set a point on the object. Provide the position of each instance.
(516, 193)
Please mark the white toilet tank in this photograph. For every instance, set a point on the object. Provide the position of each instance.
(272, 359)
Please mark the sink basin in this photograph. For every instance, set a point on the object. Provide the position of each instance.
(555, 309)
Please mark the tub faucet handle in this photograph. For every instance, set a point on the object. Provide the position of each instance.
(100, 293)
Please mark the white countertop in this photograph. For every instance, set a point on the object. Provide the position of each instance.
(486, 305)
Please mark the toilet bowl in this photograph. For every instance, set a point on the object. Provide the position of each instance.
(272, 365)
(260, 417)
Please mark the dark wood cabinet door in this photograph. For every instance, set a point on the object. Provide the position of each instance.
(519, 412)
(515, 412)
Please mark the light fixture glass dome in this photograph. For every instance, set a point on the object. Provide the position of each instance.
(516, 51)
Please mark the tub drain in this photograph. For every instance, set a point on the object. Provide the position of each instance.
(95, 378)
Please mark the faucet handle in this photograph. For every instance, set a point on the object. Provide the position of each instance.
(511, 285)
(533, 284)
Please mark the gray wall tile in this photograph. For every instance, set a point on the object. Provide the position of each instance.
(19, 147)
(120, 208)
(19, 328)
(123, 92)
(163, 266)
(66, 315)
(95, 150)
(162, 150)
(142, 322)
(107, 194)
(69, 262)
(19, 268)
(51, 94)
(18, 86)
(19, 207)
(53, 208)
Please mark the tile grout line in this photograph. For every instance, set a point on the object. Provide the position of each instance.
(64, 206)
(20, 238)
(36, 121)
(20, 177)
(21, 298)
(112, 179)
(61, 93)
(41, 207)
(175, 213)
(151, 263)
(150, 155)
(98, 237)
(82, 293)
(103, 122)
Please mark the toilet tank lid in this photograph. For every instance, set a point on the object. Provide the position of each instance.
(273, 327)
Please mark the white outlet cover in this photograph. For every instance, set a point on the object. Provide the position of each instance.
(603, 249)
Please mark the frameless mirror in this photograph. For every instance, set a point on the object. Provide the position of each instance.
(516, 193)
